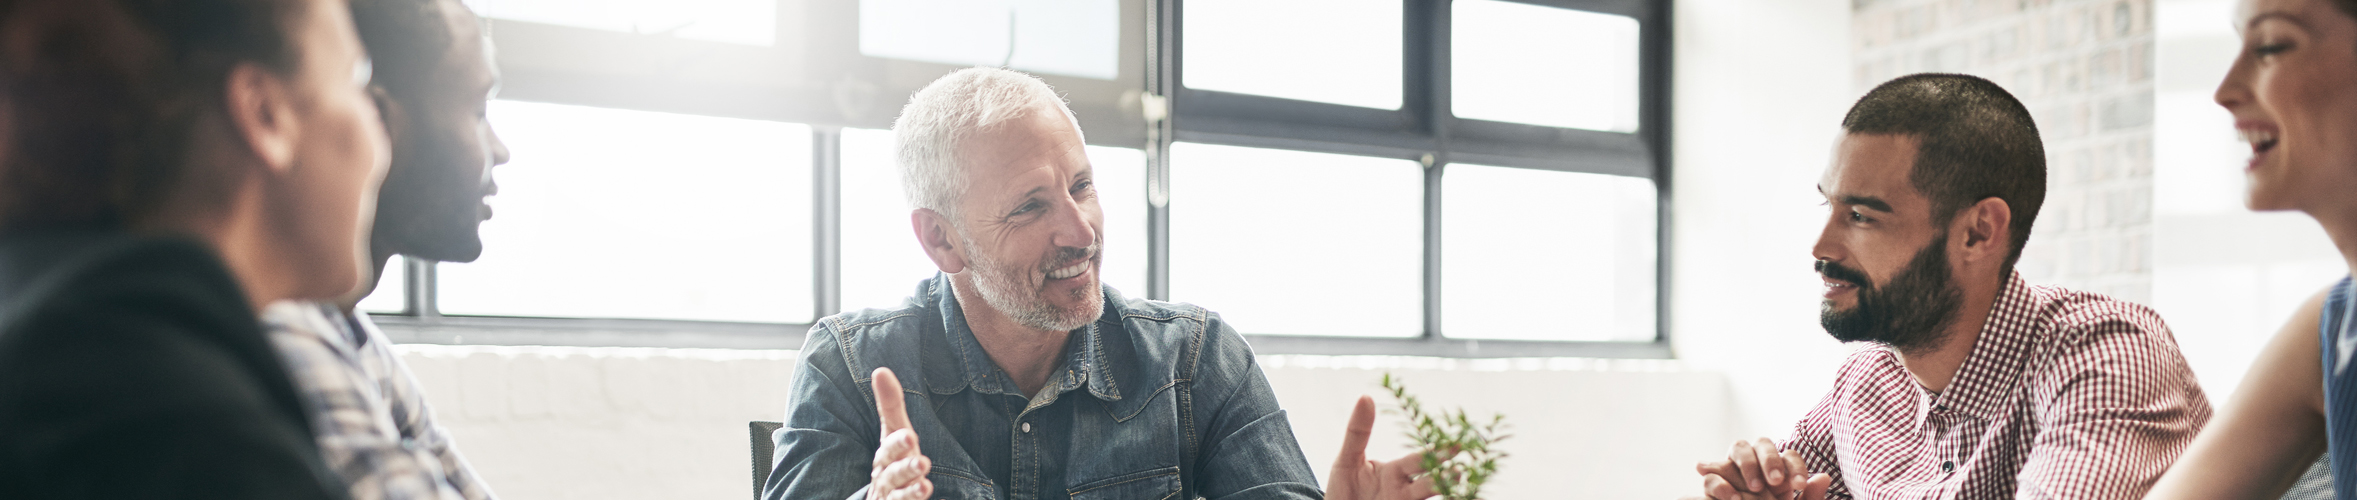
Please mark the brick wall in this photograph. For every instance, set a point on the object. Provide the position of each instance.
(2084, 68)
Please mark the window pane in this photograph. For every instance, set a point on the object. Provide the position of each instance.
(752, 22)
(882, 262)
(1523, 63)
(1065, 37)
(1543, 255)
(1337, 51)
(1121, 193)
(391, 293)
(1295, 243)
(632, 214)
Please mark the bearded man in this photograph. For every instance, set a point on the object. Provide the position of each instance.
(1977, 384)
(1026, 377)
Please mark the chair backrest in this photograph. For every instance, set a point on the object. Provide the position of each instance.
(2316, 484)
(763, 447)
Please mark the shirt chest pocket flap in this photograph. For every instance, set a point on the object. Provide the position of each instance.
(1156, 484)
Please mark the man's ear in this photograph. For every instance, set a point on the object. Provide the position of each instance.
(1987, 228)
(260, 108)
(939, 237)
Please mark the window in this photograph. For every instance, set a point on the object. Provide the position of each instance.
(1336, 51)
(1259, 235)
(1523, 63)
(1469, 177)
(751, 22)
(881, 260)
(1574, 248)
(1413, 177)
(1063, 37)
(629, 214)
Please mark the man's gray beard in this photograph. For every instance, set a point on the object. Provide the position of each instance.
(1016, 293)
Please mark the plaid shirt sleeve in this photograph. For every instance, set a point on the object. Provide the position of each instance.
(2115, 412)
(349, 414)
(1813, 438)
(413, 419)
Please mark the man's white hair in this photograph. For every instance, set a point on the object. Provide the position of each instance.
(939, 119)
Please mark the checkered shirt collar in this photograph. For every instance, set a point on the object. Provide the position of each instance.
(1986, 384)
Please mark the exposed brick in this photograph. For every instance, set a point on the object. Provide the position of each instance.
(2084, 68)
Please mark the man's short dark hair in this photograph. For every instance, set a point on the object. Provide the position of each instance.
(1977, 142)
(408, 40)
(104, 96)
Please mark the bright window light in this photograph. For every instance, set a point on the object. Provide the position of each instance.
(1336, 51)
(610, 213)
(882, 262)
(1298, 243)
(1543, 255)
(1523, 63)
(750, 22)
(1064, 37)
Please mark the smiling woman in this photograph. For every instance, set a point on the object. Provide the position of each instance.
(2289, 95)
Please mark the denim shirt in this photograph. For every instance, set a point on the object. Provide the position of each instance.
(1154, 400)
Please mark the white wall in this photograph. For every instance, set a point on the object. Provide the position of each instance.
(593, 423)
(1760, 88)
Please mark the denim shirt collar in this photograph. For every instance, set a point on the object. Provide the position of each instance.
(1084, 352)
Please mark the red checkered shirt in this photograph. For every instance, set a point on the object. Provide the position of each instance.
(2066, 395)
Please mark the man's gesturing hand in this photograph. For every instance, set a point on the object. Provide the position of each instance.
(1755, 470)
(1356, 478)
(900, 467)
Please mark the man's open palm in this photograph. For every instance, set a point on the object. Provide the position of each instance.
(1356, 478)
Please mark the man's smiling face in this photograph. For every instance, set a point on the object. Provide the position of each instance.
(1882, 255)
(1031, 228)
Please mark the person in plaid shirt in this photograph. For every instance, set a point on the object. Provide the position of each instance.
(434, 78)
(1975, 384)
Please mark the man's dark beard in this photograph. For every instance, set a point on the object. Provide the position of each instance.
(1909, 313)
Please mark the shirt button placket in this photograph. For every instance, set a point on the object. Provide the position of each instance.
(1026, 454)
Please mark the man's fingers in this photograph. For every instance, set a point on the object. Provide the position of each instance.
(916, 491)
(1422, 487)
(1747, 467)
(891, 405)
(1794, 466)
(1815, 490)
(1406, 465)
(1720, 467)
(1354, 436)
(897, 445)
(905, 472)
(1771, 463)
(1717, 488)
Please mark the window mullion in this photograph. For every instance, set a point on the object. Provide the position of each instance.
(826, 167)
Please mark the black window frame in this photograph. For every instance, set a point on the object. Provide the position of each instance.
(814, 74)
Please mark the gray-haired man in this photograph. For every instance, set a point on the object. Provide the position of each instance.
(1026, 377)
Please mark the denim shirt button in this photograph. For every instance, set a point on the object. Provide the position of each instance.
(1027, 427)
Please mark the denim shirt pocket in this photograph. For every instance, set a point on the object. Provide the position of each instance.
(960, 485)
(1155, 484)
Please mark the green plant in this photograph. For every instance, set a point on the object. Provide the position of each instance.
(1459, 454)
